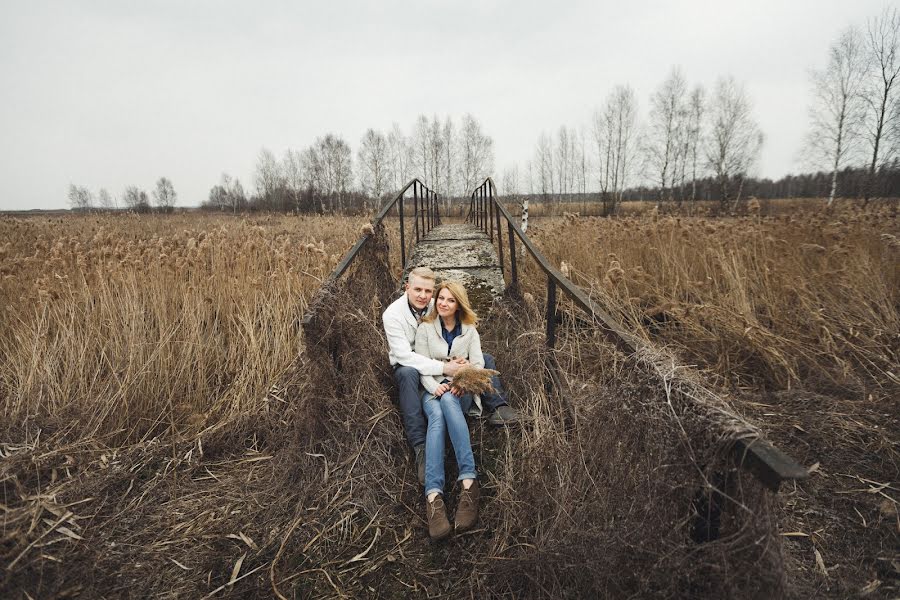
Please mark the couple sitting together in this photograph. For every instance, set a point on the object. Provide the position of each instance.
(431, 336)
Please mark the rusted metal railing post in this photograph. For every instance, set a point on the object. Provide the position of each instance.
(402, 236)
(430, 211)
(551, 312)
(512, 253)
(490, 209)
(499, 239)
(416, 212)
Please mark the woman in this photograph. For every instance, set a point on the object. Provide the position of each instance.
(449, 331)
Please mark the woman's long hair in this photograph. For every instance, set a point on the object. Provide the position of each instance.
(464, 310)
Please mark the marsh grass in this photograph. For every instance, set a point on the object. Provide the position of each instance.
(122, 325)
(758, 301)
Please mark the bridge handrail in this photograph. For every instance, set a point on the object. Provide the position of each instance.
(426, 215)
(770, 465)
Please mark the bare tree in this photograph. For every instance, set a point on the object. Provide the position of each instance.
(336, 168)
(476, 156)
(511, 182)
(563, 160)
(292, 176)
(883, 103)
(582, 162)
(448, 134)
(164, 195)
(136, 199)
(436, 154)
(544, 159)
(80, 198)
(373, 157)
(399, 153)
(838, 110)
(614, 129)
(105, 199)
(666, 111)
(269, 178)
(422, 144)
(696, 108)
(735, 139)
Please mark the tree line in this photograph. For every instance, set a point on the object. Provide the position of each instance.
(133, 198)
(699, 144)
(693, 144)
(323, 177)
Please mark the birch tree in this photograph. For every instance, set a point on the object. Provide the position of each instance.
(449, 162)
(373, 163)
(614, 130)
(734, 139)
(544, 166)
(476, 153)
(696, 109)
(80, 198)
(666, 110)
(422, 145)
(882, 99)
(164, 195)
(838, 109)
(105, 199)
(292, 172)
(399, 152)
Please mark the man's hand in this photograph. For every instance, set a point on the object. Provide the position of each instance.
(451, 367)
(441, 390)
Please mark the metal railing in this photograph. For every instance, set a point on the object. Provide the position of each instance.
(768, 463)
(425, 215)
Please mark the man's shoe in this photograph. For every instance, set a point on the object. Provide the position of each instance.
(438, 525)
(504, 415)
(467, 508)
(420, 463)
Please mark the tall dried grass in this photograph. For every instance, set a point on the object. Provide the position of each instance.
(118, 326)
(770, 301)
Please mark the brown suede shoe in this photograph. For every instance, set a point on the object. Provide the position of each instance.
(467, 509)
(438, 525)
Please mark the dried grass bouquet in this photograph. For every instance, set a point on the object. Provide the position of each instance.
(474, 380)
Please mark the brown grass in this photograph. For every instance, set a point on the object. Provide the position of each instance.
(759, 301)
(169, 431)
(153, 322)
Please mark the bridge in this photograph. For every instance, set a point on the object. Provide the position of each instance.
(731, 473)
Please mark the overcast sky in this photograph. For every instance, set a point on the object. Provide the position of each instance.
(116, 93)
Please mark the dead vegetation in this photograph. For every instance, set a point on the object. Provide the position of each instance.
(294, 480)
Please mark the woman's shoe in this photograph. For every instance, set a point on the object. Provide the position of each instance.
(438, 525)
(467, 509)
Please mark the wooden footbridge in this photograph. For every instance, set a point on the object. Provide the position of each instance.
(483, 252)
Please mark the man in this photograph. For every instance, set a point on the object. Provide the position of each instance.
(401, 319)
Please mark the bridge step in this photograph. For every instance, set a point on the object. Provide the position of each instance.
(464, 253)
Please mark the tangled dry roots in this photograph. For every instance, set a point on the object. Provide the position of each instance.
(597, 494)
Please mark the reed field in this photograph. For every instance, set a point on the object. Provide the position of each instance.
(120, 326)
(171, 431)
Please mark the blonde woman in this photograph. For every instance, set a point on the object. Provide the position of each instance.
(448, 331)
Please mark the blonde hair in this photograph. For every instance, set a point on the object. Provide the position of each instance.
(422, 273)
(463, 306)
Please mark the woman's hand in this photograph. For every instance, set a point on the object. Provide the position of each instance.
(456, 392)
(441, 390)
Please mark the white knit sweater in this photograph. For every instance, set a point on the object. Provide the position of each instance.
(430, 343)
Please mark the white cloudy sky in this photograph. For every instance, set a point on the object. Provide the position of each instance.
(119, 92)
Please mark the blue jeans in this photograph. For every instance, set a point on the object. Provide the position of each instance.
(409, 393)
(498, 397)
(445, 415)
